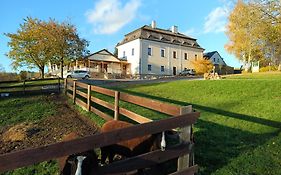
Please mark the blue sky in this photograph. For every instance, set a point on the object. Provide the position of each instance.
(105, 22)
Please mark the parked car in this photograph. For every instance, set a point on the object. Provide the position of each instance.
(187, 72)
(78, 74)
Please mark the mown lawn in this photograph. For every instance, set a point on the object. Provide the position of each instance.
(239, 128)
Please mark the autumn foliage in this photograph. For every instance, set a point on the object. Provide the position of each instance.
(202, 66)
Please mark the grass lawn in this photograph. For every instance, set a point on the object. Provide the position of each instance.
(239, 128)
(27, 109)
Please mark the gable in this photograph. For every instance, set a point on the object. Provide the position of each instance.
(103, 55)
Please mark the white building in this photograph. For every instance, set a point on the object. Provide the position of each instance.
(215, 58)
(154, 51)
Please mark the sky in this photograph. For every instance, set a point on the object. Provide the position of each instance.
(105, 22)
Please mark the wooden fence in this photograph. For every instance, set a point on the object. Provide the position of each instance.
(76, 88)
(10, 88)
(183, 117)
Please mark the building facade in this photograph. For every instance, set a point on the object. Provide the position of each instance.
(154, 51)
(220, 65)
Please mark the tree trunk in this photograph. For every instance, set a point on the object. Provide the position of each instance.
(42, 72)
(61, 68)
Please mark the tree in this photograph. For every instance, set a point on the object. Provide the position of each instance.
(202, 65)
(29, 46)
(23, 75)
(66, 45)
(38, 43)
(254, 31)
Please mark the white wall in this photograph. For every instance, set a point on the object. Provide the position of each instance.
(134, 60)
(168, 61)
(218, 59)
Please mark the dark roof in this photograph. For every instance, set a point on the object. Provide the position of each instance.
(161, 35)
(210, 54)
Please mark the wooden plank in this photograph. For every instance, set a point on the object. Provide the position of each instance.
(69, 95)
(101, 114)
(103, 91)
(83, 94)
(30, 156)
(74, 92)
(82, 85)
(185, 134)
(17, 81)
(89, 98)
(136, 117)
(151, 104)
(116, 105)
(81, 103)
(70, 88)
(187, 171)
(65, 86)
(145, 160)
(102, 103)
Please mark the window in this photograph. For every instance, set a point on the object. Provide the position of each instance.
(149, 51)
(195, 57)
(214, 60)
(149, 67)
(162, 52)
(124, 54)
(162, 69)
(133, 51)
(174, 54)
(185, 56)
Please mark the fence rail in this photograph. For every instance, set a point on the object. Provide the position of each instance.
(30, 156)
(8, 88)
(182, 117)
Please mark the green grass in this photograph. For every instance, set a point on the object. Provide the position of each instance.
(240, 117)
(27, 109)
(24, 109)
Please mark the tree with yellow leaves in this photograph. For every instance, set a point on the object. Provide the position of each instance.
(202, 65)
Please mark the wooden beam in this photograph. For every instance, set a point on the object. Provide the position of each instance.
(74, 92)
(151, 104)
(183, 162)
(82, 94)
(30, 156)
(103, 91)
(187, 171)
(136, 117)
(101, 114)
(89, 98)
(116, 105)
(145, 160)
(82, 85)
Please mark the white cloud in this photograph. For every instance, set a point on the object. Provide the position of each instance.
(109, 16)
(189, 32)
(216, 21)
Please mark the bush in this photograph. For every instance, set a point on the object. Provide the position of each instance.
(23, 75)
(268, 68)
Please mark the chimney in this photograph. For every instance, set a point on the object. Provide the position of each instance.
(175, 29)
(153, 24)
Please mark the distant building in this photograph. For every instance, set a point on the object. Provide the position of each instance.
(220, 65)
(154, 51)
(101, 64)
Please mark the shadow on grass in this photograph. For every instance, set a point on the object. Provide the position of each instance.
(217, 144)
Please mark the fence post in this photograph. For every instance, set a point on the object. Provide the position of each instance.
(59, 84)
(89, 98)
(116, 105)
(23, 86)
(185, 136)
(74, 91)
(65, 86)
